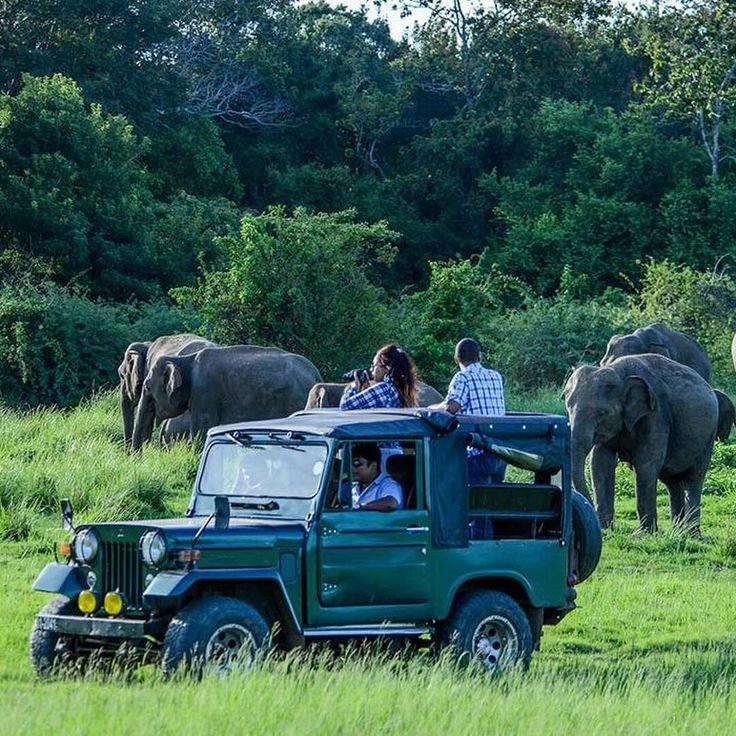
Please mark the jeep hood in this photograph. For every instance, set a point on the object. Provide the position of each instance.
(241, 533)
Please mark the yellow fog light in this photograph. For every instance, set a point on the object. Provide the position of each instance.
(87, 602)
(113, 603)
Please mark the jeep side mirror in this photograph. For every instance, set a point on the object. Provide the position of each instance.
(222, 512)
(67, 515)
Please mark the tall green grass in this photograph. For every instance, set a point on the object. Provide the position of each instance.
(650, 650)
(78, 454)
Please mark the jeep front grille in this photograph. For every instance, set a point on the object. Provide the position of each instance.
(122, 570)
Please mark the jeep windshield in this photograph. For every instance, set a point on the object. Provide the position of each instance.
(272, 477)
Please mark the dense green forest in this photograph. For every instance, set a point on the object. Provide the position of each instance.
(536, 173)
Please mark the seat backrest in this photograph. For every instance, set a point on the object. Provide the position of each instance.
(402, 468)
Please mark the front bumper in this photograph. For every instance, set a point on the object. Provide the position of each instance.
(107, 628)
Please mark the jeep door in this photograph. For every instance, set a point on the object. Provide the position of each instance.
(375, 563)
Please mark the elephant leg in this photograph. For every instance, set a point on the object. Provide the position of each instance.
(693, 488)
(676, 490)
(201, 422)
(646, 499)
(691, 511)
(603, 462)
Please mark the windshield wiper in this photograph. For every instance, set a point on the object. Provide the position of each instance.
(240, 438)
(284, 441)
(269, 505)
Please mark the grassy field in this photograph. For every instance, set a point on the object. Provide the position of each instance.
(651, 649)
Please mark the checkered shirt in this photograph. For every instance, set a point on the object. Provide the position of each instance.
(477, 390)
(378, 396)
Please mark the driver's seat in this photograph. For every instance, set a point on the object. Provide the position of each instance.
(402, 468)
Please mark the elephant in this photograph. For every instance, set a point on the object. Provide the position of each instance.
(660, 339)
(326, 395)
(654, 413)
(223, 385)
(726, 415)
(136, 363)
(176, 429)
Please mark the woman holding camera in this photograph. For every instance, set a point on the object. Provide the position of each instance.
(395, 382)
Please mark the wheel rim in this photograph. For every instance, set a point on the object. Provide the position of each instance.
(231, 647)
(495, 643)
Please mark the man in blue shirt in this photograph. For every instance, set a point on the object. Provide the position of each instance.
(476, 390)
(372, 489)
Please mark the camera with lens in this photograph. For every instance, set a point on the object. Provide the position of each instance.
(362, 374)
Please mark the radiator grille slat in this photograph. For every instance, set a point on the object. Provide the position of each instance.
(123, 571)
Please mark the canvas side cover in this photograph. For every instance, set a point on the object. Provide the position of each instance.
(448, 490)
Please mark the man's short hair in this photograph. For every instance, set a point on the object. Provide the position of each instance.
(369, 451)
(467, 351)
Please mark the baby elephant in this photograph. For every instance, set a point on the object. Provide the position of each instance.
(658, 415)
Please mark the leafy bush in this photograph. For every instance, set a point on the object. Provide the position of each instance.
(460, 301)
(57, 346)
(533, 341)
(300, 282)
(699, 303)
(540, 344)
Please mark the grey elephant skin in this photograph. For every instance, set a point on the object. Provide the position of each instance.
(137, 361)
(176, 429)
(654, 413)
(223, 385)
(328, 395)
(661, 340)
(726, 415)
(657, 338)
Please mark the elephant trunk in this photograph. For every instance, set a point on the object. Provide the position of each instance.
(126, 408)
(144, 418)
(582, 444)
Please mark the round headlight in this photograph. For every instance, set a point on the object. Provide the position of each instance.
(153, 548)
(86, 546)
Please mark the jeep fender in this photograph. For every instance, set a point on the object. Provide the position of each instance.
(506, 581)
(58, 578)
(170, 586)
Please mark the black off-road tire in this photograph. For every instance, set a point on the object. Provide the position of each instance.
(587, 535)
(214, 634)
(45, 647)
(489, 628)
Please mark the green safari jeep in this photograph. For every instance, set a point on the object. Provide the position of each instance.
(272, 553)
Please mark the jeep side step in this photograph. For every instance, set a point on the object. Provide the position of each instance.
(368, 630)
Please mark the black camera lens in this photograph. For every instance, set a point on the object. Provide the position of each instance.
(362, 374)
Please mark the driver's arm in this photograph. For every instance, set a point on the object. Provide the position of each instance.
(387, 503)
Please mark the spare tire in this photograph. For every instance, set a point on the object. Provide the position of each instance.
(587, 535)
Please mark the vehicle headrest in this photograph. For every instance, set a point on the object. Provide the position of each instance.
(399, 464)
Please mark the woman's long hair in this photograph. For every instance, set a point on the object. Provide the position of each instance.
(402, 372)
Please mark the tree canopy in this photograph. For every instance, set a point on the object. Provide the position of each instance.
(213, 149)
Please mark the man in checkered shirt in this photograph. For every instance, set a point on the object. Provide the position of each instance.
(476, 390)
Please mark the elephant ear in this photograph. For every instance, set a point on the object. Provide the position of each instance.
(639, 400)
(136, 374)
(173, 378)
